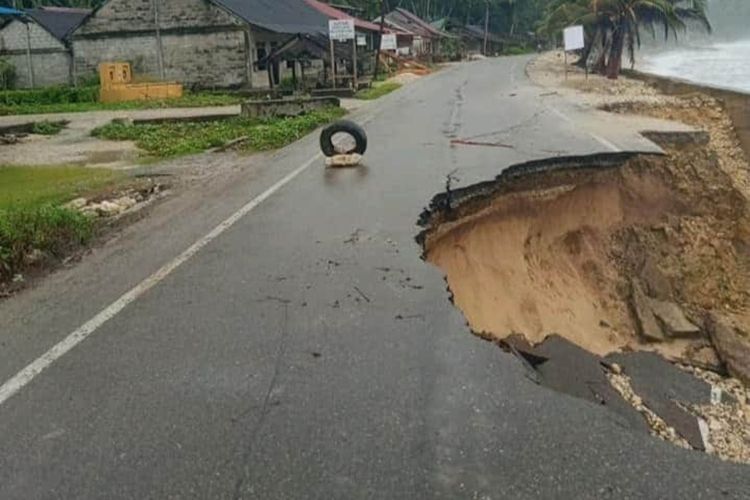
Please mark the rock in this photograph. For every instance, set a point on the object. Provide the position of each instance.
(126, 202)
(648, 327)
(732, 345)
(657, 284)
(703, 357)
(109, 208)
(77, 204)
(672, 319)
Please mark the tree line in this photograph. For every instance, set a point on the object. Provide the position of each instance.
(613, 28)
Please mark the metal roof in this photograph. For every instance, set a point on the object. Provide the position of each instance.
(279, 16)
(58, 21)
(334, 13)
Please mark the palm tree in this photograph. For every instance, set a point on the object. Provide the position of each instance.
(615, 25)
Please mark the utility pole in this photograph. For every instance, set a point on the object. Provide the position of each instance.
(380, 41)
(159, 48)
(486, 25)
(29, 59)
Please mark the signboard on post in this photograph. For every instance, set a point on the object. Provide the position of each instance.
(341, 29)
(573, 37)
(388, 42)
(573, 40)
(361, 41)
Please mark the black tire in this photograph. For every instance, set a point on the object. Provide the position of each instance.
(346, 127)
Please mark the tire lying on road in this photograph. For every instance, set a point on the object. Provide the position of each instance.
(345, 127)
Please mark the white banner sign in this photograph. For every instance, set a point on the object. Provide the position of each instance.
(573, 36)
(341, 29)
(388, 42)
(361, 41)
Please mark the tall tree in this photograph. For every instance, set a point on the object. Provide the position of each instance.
(614, 26)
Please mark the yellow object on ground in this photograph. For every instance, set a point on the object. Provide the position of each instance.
(117, 85)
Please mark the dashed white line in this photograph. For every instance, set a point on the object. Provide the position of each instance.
(30, 372)
(601, 140)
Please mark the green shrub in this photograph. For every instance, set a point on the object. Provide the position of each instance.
(47, 128)
(173, 139)
(287, 83)
(49, 95)
(378, 91)
(517, 50)
(7, 75)
(52, 229)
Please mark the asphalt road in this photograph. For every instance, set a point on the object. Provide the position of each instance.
(309, 352)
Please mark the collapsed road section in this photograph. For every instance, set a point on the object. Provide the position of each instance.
(579, 264)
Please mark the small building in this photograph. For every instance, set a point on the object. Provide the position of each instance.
(473, 40)
(425, 38)
(38, 45)
(199, 43)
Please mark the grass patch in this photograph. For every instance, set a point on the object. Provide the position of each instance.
(48, 228)
(36, 186)
(518, 50)
(180, 138)
(378, 91)
(31, 218)
(47, 128)
(74, 100)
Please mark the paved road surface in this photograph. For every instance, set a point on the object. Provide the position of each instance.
(308, 351)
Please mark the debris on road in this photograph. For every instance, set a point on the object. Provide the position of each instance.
(114, 204)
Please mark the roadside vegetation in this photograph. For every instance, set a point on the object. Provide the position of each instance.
(378, 90)
(34, 224)
(80, 99)
(181, 138)
(47, 128)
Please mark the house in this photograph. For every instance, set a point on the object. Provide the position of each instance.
(200, 43)
(363, 28)
(473, 40)
(425, 37)
(38, 45)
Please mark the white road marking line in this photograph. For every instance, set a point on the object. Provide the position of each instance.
(598, 138)
(30, 372)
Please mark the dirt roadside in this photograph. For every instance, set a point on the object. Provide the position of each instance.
(646, 253)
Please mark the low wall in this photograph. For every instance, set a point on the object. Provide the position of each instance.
(345, 92)
(286, 107)
(737, 104)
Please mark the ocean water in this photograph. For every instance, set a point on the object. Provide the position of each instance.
(725, 65)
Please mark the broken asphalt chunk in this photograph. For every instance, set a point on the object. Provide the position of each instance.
(665, 389)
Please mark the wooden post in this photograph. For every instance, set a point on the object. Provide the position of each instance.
(354, 62)
(333, 65)
(565, 62)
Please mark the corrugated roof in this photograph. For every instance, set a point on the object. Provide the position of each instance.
(415, 21)
(58, 21)
(334, 13)
(279, 16)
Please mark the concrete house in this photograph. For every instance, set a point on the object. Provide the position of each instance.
(38, 45)
(200, 43)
